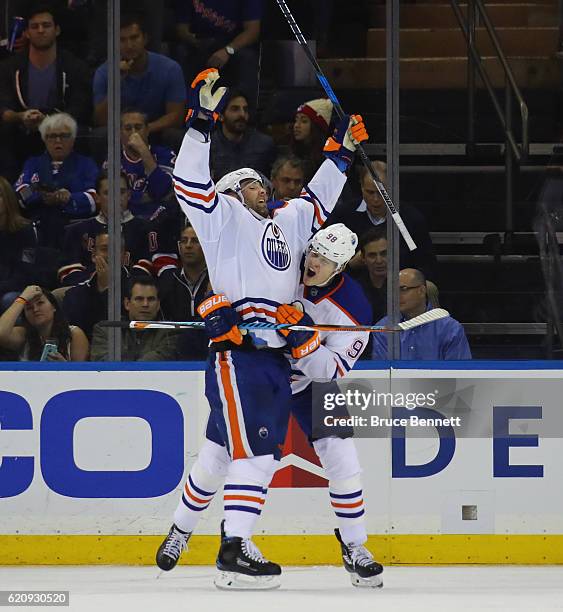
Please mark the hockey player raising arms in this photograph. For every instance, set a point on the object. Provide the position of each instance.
(253, 264)
(331, 297)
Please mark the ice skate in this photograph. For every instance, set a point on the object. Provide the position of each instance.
(364, 570)
(169, 551)
(242, 566)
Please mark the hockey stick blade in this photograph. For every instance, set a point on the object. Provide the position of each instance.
(427, 317)
(340, 113)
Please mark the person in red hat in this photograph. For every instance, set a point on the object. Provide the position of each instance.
(310, 131)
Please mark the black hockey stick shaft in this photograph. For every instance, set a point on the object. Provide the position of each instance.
(340, 113)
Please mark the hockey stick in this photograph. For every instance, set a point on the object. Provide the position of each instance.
(340, 112)
(426, 317)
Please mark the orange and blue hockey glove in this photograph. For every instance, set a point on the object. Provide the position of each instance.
(204, 104)
(340, 147)
(221, 319)
(302, 343)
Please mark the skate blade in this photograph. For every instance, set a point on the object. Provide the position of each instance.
(375, 582)
(233, 581)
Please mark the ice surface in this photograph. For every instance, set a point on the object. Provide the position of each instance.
(304, 589)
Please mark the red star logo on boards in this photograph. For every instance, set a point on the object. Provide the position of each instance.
(301, 467)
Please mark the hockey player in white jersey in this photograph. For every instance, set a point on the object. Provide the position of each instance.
(330, 296)
(253, 264)
(334, 298)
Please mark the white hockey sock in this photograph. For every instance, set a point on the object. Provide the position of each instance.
(339, 459)
(244, 493)
(205, 477)
(346, 499)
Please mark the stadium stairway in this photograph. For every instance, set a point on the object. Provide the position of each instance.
(490, 280)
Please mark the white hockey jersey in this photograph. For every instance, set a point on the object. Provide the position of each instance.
(343, 302)
(254, 262)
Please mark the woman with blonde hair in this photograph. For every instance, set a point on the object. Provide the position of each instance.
(18, 241)
(45, 333)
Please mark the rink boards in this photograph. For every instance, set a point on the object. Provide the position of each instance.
(93, 464)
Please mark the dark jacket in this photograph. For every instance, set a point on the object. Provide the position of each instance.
(85, 306)
(79, 241)
(179, 302)
(255, 150)
(73, 85)
(151, 345)
(422, 258)
(21, 263)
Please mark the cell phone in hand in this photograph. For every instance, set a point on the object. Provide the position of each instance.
(49, 348)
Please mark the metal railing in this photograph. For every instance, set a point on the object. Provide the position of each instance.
(513, 151)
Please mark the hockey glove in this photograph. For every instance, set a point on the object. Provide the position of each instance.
(340, 147)
(302, 343)
(220, 319)
(203, 101)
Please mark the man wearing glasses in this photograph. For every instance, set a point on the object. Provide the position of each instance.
(439, 340)
(60, 184)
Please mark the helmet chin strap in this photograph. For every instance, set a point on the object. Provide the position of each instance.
(327, 281)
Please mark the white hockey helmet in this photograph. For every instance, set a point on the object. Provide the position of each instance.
(232, 180)
(337, 243)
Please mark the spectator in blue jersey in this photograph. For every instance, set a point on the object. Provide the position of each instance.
(85, 304)
(182, 290)
(221, 34)
(78, 245)
(439, 340)
(151, 82)
(234, 144)
(40, 80)
(148, 167)
(58, 185)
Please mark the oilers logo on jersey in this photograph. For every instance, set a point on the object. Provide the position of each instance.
(275, 248)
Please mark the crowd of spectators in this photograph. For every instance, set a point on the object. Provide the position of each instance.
(54, 187)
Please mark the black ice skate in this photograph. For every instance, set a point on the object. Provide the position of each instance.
(364, 570)
(170, 550)
(241, 566)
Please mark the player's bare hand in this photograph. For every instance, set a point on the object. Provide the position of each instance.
(56, 356)
(31, 292)
(218, 59)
